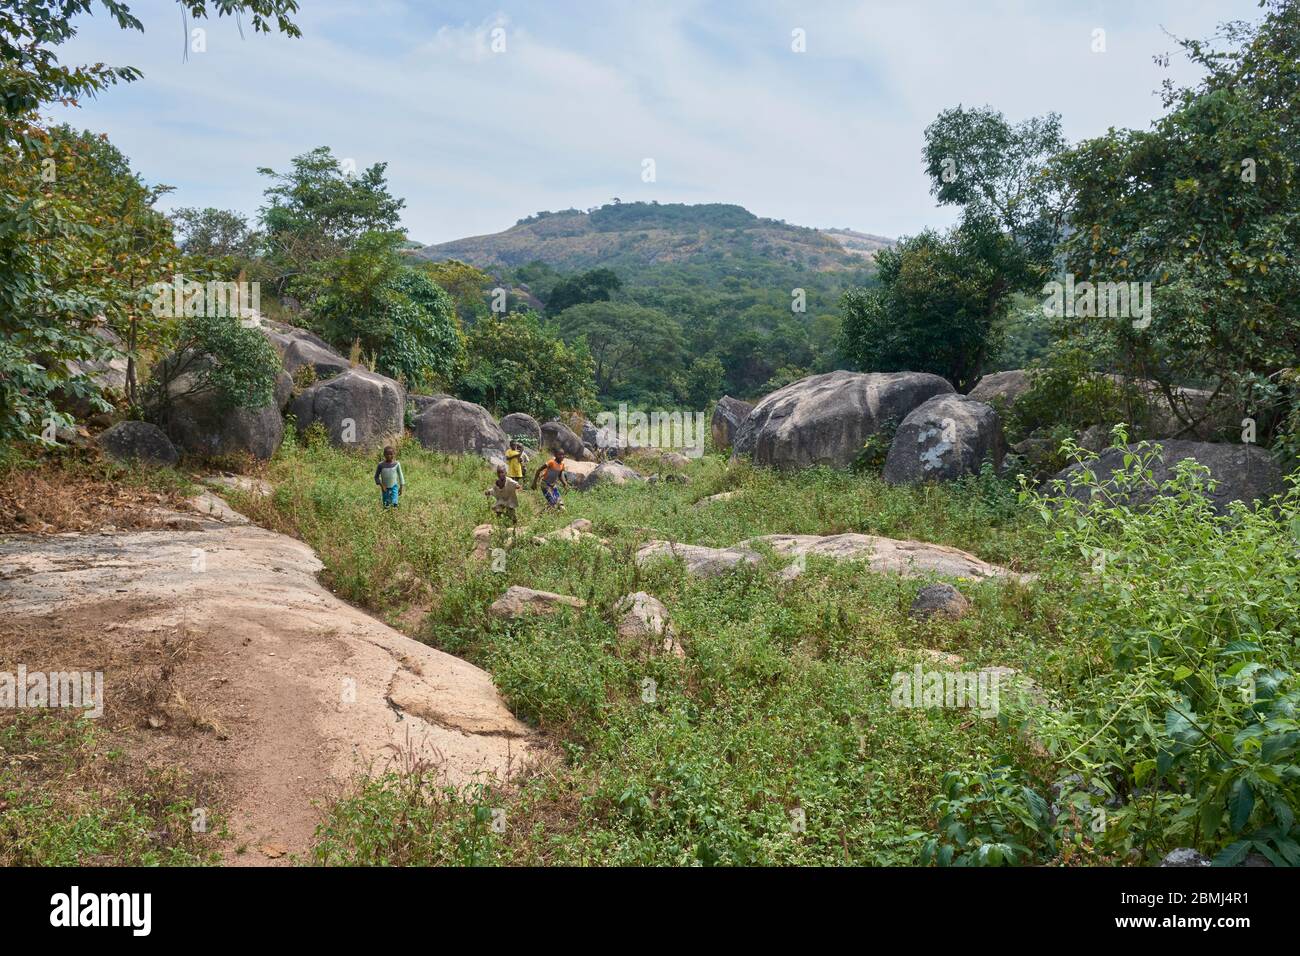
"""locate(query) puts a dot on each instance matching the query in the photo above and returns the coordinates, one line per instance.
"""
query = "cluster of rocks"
(939, 435)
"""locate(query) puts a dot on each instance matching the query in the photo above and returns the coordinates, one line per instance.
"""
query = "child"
(555, 477)
(515, 463)
(505, 491)
(389, 477)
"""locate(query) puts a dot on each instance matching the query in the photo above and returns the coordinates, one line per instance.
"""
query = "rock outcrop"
(518, 601)
(1002, 388)
(944, 438)
(556, 436)
(644, 621)
(519, 425)
(728, 415)
(358, 408)
(609, 473)
(826, 419)
(460, 428)
(1240, 473)
(138, 442)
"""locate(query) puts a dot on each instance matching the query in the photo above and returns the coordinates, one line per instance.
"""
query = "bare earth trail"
(276, 689)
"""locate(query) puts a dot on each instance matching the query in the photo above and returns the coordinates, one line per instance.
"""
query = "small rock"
(518, 601)
(645, 619)
(1185, 856)
(941, 599)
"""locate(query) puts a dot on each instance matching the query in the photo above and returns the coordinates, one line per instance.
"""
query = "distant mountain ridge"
(637, 236)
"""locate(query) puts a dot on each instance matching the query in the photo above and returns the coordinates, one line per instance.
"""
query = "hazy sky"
(584, 92)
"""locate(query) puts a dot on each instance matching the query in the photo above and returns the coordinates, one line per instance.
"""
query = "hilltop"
(634, 237)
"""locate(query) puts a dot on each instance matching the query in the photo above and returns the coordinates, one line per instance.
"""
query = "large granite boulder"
(358, 408)
(944, 438)
(420, 403)
(460, 428)
(1240, 472)
(299, 348)
(196, 420)
(138, 442)
(826, 419)
(728, 415)
(1004, 388)
(519, 425)
(556, 436)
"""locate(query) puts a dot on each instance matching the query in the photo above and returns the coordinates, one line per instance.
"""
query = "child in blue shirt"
(389, 478)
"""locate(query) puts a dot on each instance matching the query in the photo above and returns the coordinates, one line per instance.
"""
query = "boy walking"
(515, 463)
(552, 480)
(505, 495)
(389, 478)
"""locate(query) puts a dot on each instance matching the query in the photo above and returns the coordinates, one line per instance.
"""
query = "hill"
(632, 238)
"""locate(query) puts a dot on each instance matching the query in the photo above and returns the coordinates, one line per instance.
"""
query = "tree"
(65, 266)
(597, 285)
(213, 233)
(635, 350)
(937, 307)
(319, 210)
(466, 285)
(1205, 206)
(998, 172)
(397, 315)
(513, 364)
(219, 355)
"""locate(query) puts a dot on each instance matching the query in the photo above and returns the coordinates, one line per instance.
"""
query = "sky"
(487, 113)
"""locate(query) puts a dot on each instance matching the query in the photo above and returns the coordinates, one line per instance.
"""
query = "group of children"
(504, 491)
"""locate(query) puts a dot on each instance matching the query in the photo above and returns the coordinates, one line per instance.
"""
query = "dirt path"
(264, 679)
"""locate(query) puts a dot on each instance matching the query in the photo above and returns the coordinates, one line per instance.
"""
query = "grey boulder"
(556, 436)
(460, 428)
(1239, 472)
(728, 415)
(356, 407)
(826, 419)
(138, 442)
(944, 438)
(519, 425)
(1004, 388)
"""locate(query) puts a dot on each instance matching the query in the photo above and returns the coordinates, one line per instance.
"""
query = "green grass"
(781, 704)
(781, 712)
(67, 798)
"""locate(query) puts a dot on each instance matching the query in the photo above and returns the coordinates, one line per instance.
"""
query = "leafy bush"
(1189, 724)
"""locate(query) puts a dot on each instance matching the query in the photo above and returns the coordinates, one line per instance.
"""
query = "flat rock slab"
(310, 690)
(882, 554)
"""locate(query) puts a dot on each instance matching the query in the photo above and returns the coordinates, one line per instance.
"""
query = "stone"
(728, 415)
(518, 601)
(556, 436)
(1001, 388)
(826, 419)
(1241, 472)
(140, 442)
(299, 348)
(460, 428)
(519, 425)
(644, 620)
(700, 561)
(908, 558)
(374, 404)
(1185, 857)
(942, 439)
(609, 473)
(942, 600)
